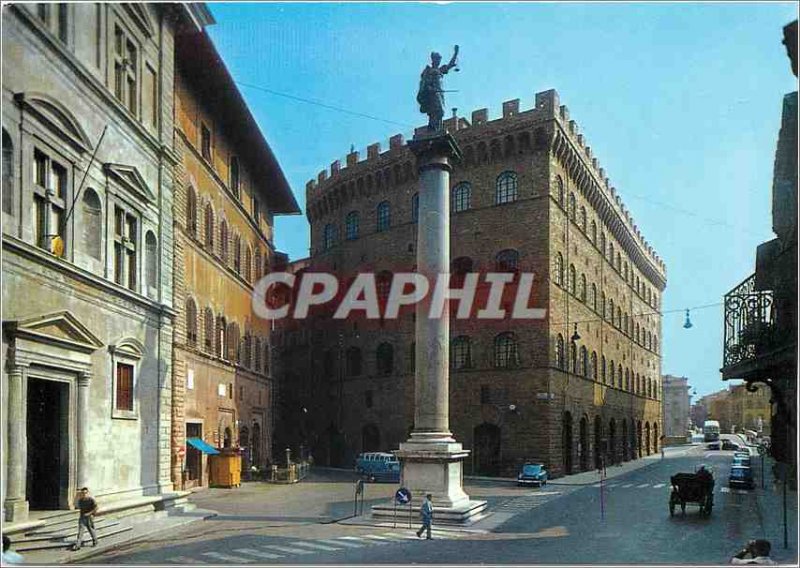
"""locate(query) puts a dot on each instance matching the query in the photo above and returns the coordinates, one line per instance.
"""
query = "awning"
(202, 446)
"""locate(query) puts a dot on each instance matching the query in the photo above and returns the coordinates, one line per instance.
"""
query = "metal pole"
(785, 526)
(409, 513)
(762, 469)
(602, 503)
(395, 514)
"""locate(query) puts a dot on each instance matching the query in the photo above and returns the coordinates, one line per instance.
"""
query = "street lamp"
(575, 335)
(688, 323)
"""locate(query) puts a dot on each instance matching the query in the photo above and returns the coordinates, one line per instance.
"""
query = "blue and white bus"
(710, 431)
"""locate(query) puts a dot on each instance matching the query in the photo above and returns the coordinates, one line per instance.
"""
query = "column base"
(465, 514)
(16, 510)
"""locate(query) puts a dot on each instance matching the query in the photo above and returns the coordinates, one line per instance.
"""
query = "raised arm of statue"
(453, 61)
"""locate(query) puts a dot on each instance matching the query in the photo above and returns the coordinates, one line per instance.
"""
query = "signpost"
(403, 496)
(359, 491)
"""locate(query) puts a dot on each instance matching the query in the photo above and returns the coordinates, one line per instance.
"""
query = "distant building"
(676, 406)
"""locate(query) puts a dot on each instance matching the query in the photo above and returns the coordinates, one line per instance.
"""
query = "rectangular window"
(63, 21)
(190, 379)
(205, 142)
(50, 187)
(124, 399)
(221, 389)
(126, 70)
(150, 89)
(230, 390)
(125, 248)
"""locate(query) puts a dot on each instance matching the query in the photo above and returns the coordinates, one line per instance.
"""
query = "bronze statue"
(431, 95)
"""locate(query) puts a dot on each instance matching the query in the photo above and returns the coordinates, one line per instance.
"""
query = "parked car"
(532, 474)
(741, 476)
(728, 445)
(378, 466)
(713, 446)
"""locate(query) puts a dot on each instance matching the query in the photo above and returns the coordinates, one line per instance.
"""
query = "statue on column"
(431, 95)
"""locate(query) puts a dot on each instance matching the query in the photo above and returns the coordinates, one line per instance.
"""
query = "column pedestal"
(431, 459)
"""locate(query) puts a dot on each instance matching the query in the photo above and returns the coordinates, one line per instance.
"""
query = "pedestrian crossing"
(260, 553)
(718, 488)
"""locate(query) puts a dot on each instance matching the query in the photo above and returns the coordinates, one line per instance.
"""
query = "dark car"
(532, 474)
(741, 476)
(728, 445)
(713, 446)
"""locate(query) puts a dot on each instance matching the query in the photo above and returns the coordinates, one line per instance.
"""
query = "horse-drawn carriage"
(696, 488)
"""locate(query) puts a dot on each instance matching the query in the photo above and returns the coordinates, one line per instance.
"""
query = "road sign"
(403, 496)
(359, 487)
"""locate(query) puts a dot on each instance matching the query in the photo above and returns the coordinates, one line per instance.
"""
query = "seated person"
(758, 550)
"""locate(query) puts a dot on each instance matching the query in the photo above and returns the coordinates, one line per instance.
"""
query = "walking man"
(88, 508)
(426, 511)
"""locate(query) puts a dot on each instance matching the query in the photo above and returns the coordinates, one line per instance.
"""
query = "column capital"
(84, 378)
(435, 151)
(16, 368)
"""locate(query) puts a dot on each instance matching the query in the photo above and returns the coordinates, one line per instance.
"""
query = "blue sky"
(680, 103)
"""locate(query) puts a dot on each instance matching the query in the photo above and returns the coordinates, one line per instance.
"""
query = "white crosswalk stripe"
(361, 539)
(286, 549)
(659, 485)
(313, 545)
(401, 536)
(258, 553)
(381, 539)
(228, 557)
(627, 485)
(186, 560)
(643, 485)
(344, 543)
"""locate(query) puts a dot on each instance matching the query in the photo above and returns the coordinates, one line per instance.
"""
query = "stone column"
(82, 453)
(16, 505)
(431, 459)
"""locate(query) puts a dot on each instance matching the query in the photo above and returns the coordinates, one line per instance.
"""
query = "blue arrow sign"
(403, 496)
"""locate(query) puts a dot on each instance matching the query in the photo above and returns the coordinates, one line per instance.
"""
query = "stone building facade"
(677, 402)
(529, 196)
(228, 188)
(88, 170)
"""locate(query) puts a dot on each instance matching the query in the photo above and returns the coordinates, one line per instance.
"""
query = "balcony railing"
(749, 323)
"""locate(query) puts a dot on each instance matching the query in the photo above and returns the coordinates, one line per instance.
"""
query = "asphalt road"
(552, 525)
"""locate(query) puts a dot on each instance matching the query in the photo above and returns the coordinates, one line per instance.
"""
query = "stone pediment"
(130, 178)
(56, 116)
(58, 328)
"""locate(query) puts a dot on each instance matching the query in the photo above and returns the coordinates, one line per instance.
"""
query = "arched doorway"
(244, 443)
(584, 441)
(566, 446)
(486, 448)
(255, 445)
(598, 437)
(639, 437)
(656, 439)
(612, 442)
(624, 440)
(370, 438)
(647, 438)
(227, 440)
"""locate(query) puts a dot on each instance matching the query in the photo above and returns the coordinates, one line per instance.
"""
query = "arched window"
(461, 198)
(460, 353)
(603, 243)
(248, 264)
(583, 218)
(593, 297)
(151, 264)
(328, 236)
(232, 351)
(384, 359)
(208, 330)
(619, 317)
(593, 232)
(611, 253)
(8, 174)
(602, 310)
(191, 211)
(257, 263)
(235, 175)
(222, 332)
(223, 241)
(209, 228)
(560, 191)
(92, 223)
(603, 369)
(383, 284)
(505, 188)
(353, 362)
(572, 206)
(584, 362)
(593, 374)
(505, 351)
(582, 290)
(191, 323)
(573, 358)
(610, 316)
(636, 335)
(351, 226)
(237, 254)
(612, 372)
(415, 208)
(560, 363)
(507, 261)
(383, 216)
(655, 343)
(572, 284)
(559, 270)
(625, 323)
(627, 379)
(619, 262)
(625, 271)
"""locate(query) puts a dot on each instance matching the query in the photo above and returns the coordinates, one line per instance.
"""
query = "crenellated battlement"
(547, 107)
